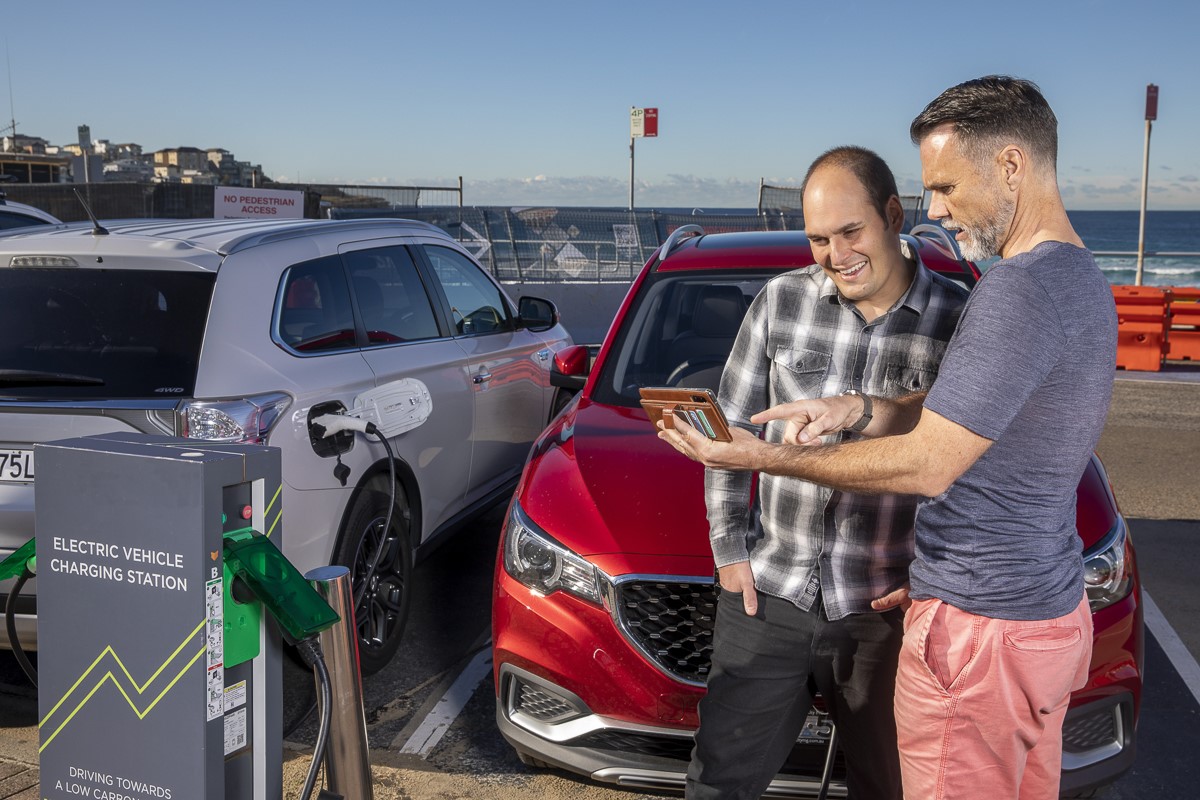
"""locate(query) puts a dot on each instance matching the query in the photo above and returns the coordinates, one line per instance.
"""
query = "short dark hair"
(986, 110)
(872, 172)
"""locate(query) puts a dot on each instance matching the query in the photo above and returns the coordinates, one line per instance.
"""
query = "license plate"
(16, 466)
(816, 729)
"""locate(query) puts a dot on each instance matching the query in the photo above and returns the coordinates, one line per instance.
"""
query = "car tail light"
(545, 566)
(248, 420)
(1107, 572)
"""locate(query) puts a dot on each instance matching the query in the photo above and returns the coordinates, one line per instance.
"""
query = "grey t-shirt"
(1031, 367)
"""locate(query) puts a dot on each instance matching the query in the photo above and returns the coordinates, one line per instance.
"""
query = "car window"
(476, 305)
(391, 297)
(678, 333)
(9, 220)
(111, 334)
(315, 313)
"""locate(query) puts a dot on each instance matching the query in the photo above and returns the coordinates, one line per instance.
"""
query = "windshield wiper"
(24, 377)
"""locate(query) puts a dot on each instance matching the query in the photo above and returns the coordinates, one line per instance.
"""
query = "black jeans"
(764, 671)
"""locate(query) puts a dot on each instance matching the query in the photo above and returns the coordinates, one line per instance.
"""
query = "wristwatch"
(865, 419)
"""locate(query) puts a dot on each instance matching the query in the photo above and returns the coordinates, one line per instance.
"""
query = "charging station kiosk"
(155, 681)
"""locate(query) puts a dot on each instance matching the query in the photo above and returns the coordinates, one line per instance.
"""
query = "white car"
(18, 215)
(240, 330)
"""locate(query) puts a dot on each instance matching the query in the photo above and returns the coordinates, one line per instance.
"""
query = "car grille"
(672, 623)
(542, 705)
(805, 759)
(1090, 731)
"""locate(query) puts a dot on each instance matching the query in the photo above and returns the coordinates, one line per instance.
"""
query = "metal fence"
(379, 196)
(569, 245)
(537, 244)
(774, 199)
(119, 200)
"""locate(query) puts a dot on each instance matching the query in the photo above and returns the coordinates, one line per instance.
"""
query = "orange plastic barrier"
(1183, 338)
(1141, 327)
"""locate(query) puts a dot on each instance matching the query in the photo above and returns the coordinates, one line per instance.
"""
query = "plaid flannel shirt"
(801, 339)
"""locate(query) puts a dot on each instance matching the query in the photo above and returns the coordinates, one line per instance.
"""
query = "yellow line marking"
(140, 689)
(278, 516)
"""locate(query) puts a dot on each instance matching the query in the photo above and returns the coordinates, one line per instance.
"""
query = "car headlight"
(1107, 573)
(545, 566)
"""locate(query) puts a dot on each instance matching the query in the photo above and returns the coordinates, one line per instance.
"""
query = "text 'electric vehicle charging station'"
(158, 566)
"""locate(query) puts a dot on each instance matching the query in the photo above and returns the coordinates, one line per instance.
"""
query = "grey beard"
(982, 242)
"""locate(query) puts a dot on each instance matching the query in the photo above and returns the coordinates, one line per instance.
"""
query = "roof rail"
(674, 239)
(303, 226)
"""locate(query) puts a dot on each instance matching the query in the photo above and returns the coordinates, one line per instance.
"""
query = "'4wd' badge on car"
(169, 390)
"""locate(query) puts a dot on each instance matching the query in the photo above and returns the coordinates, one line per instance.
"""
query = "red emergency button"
(247, 512)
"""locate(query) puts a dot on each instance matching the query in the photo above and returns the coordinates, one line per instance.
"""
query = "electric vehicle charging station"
(159, 674)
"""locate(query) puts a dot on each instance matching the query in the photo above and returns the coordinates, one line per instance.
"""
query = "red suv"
(604, 594)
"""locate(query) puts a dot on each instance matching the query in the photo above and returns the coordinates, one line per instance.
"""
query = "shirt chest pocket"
(904, 379)
(798, 373)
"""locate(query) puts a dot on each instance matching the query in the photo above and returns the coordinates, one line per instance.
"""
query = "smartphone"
(695, 407)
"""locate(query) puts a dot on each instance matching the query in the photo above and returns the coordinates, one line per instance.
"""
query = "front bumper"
(555, 726)
(1099, 743)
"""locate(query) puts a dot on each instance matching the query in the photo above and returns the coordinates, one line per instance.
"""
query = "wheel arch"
(377, 475)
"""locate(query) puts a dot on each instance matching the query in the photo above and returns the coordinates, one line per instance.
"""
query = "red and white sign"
(643, 122)
(240, 202)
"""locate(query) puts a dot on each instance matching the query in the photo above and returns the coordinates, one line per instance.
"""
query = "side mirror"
(571, 367)
(536, 314)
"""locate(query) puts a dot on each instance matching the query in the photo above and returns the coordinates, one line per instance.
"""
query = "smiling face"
(857, 247)
(965, 196)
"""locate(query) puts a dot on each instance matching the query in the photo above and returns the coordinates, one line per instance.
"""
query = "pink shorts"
(980, 701)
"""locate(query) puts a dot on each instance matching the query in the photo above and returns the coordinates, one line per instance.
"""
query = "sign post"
(1151, 115)
(642, 122)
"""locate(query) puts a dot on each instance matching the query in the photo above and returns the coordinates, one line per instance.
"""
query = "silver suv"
(18, 215)
(248, 331)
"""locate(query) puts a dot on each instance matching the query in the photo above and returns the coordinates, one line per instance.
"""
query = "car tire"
(561, 398)
(382, 613)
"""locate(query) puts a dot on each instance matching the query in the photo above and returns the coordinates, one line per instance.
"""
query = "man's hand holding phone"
(695, 408)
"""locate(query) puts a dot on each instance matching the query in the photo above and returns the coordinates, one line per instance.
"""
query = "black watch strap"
(865, 419)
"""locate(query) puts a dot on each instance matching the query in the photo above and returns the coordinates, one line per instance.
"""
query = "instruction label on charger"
(215, 651)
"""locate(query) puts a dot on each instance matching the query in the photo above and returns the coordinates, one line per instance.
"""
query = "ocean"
(1166, 231)
(1116, 231)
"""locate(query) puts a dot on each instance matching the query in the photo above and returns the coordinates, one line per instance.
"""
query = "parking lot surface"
(430, 713)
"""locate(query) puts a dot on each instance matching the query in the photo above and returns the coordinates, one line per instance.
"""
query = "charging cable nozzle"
(327, 425)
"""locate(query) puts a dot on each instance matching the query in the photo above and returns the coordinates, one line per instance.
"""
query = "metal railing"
(776, 199)
(568, 245)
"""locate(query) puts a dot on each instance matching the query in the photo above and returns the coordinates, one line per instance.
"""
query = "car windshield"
(72, 334)
(678, 333)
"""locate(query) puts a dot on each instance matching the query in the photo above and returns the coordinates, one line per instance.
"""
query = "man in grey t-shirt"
(999, 630)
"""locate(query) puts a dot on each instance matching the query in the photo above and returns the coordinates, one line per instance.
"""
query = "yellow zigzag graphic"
(110, 675)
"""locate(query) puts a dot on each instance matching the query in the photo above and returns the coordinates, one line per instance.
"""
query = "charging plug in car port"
(328, 446)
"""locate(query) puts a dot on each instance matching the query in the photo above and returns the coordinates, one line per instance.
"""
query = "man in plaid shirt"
(799, 568)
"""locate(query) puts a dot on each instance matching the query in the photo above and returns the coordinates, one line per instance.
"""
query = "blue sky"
(529, 101)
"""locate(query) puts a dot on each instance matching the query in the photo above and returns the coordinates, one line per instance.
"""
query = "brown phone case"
(698, 407)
